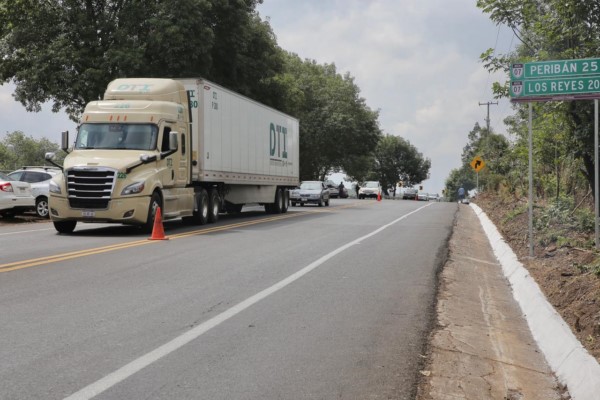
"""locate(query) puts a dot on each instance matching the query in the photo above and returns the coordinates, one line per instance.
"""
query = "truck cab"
(130, 156)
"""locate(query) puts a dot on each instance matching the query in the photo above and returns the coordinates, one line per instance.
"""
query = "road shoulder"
(481, 347)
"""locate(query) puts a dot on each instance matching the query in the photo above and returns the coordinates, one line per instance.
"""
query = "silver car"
(39, 179)
(314, 192)
(15, 196)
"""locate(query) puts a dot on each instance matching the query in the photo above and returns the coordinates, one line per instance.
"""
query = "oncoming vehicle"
(15, 196)
(39, 179)
(423, 196)
(310, 192)
(369, 189)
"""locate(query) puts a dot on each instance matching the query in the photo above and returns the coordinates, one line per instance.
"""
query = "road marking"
(16, 265)
(147, 359)
(28, 231)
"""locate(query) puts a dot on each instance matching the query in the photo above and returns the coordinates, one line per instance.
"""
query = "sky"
(416, 61)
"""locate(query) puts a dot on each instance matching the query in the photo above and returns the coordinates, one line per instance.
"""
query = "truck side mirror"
(64, 144)
(173, 141)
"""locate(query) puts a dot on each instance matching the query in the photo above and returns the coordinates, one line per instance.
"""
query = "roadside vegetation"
(566, 263)
(228, 43)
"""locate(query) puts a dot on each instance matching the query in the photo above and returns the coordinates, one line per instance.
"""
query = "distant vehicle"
(343, 194)
(423, 196)
(15, 197)
(433, 197)
(369, 189)
(39, 179)
(310, 192)
(409, 193)
(333, 189)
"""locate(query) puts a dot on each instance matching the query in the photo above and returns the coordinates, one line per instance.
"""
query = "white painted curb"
(569, 360)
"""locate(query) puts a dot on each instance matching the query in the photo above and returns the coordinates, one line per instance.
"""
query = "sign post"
(558, 80)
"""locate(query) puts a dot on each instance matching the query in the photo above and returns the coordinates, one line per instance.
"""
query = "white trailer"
(250, 149)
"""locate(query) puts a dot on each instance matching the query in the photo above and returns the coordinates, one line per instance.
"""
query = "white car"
(39, 179)
(370, 189)
(15, 196)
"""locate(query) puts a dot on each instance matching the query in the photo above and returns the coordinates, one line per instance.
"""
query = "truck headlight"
(134, 188)
(53, 187)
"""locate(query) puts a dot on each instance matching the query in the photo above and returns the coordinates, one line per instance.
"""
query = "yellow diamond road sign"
(477, 164)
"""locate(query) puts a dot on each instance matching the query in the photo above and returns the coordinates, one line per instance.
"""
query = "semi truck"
(187, 146)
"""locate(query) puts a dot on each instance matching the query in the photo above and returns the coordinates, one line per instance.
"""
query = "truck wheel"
(200, 216)
(214, 203)
(154, 205)
(278, 204)
(65, 226)
(286, 201)
(41, 207)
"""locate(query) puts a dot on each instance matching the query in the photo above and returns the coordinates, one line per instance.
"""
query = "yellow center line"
(12, 266)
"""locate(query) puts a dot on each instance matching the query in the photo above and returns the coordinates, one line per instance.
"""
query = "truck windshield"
(117, 136)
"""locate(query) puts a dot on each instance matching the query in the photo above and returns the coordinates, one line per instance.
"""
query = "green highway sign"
(558, 68)
(555, 87)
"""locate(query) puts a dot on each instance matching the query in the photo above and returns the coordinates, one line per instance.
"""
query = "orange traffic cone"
(378, 196)
(158, 232)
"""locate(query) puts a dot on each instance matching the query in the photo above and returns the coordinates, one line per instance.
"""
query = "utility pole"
(487, 120)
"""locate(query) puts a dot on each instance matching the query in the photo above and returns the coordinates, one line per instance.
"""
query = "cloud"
(415, 61)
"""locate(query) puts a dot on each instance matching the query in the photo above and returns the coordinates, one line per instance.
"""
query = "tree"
(96, 41)
(338, 130)
(552, 29)
(17, 150)
(398, 160)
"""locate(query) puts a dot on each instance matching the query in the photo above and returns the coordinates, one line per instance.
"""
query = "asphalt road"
(318, 303)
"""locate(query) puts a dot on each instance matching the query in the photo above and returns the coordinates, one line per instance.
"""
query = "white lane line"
(147, 359)
(29, 231)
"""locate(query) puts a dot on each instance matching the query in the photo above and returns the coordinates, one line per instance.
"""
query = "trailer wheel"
(277, 207)
(214, 204)
(286, 200)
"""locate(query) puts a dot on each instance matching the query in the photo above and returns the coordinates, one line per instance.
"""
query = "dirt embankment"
(567, 274)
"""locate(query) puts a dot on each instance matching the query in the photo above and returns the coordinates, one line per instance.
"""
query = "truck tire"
(286, 200)
(214, 205)
(155, 203)
(65, 226)
(278, 204)
(200, 216)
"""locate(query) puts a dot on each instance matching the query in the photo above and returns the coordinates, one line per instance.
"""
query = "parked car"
(333, 189)
(310, 192)
(423, 196)
(369, 189)
(15, 196)
(39, 179)
(409, 193)
(433, 197)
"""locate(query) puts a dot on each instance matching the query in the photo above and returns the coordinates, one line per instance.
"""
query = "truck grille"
(90, 188)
